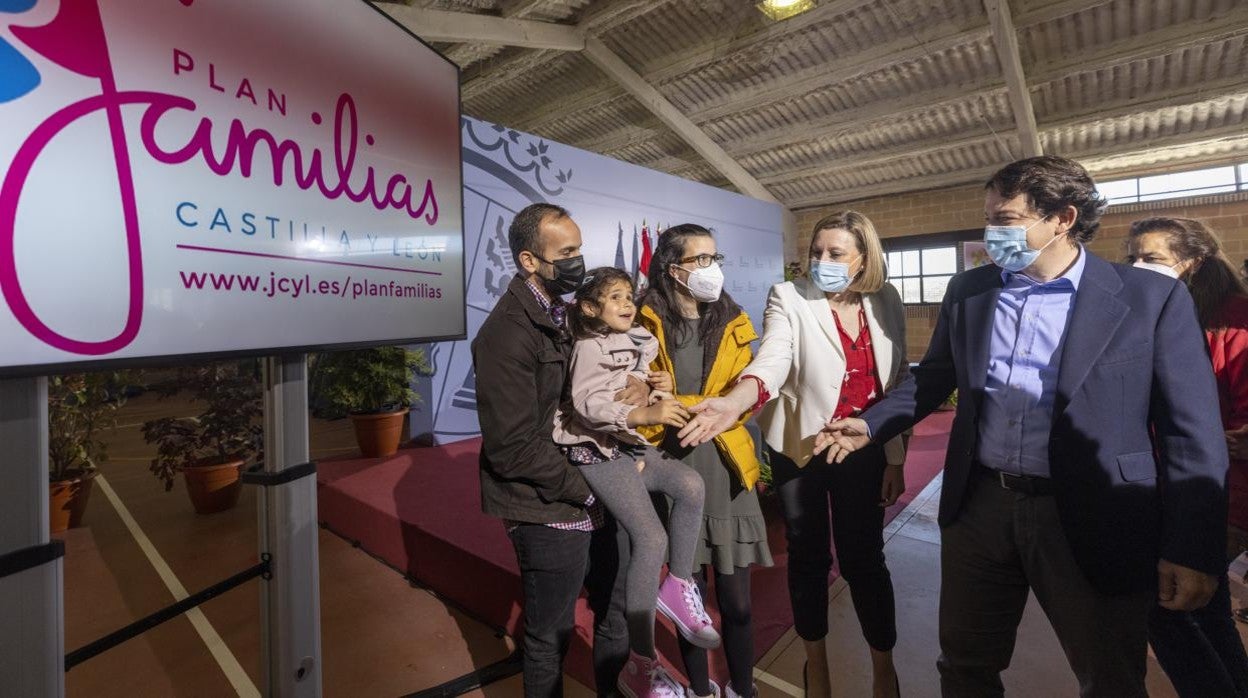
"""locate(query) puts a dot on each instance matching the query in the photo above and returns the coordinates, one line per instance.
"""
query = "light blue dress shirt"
(1024, 358)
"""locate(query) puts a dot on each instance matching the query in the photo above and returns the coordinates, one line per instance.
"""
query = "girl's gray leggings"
(626, 494)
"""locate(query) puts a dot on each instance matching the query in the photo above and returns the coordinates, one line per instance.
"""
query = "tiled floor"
(382, 637)
(1038, 669)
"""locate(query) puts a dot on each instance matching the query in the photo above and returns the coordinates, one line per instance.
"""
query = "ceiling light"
(784, 9)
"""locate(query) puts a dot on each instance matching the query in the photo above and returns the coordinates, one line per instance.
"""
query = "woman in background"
(1200, 650)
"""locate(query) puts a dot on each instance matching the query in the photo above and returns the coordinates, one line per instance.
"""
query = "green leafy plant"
(953, 399)
(793, 270)
(81, 406)
(764, 475)
(366, 381)
(228, 428)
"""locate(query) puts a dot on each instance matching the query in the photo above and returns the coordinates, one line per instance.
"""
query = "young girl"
(600, 436)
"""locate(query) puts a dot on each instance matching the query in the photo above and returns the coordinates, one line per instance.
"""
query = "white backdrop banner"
(217, 176)
(617, 206)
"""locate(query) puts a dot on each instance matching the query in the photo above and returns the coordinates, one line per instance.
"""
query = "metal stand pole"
(32, 642)
(290, 601)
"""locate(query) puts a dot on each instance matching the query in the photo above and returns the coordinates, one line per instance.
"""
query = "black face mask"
(569, 274)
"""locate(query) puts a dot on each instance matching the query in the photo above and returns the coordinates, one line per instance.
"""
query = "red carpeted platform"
(420, 512)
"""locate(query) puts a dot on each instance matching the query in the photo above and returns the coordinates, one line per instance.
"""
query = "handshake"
(841, 437)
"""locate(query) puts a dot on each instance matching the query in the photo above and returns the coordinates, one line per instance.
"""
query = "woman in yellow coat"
(704, 342)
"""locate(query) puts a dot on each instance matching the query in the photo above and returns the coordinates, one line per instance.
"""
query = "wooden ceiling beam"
(440, 25)
(1005, 39)
(465, 55)
(1049, 11)
(689, 60)
(643, 92)
(600, 19)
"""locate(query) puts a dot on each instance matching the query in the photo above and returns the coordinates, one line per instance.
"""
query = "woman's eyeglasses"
(704, 260)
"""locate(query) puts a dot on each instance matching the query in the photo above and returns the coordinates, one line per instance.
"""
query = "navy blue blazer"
(1136, 451)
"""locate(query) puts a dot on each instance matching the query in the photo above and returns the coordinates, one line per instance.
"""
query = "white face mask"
(705, 283)
(1159, 268)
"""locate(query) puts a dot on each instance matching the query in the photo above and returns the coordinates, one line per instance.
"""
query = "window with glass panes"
(921, 275)
(1210, 180)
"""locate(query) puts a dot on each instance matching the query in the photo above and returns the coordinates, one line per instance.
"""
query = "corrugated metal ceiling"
(862, 97)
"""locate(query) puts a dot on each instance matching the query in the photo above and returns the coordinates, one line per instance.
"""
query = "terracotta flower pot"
(67, 502)
(378, 435)
(213, 487)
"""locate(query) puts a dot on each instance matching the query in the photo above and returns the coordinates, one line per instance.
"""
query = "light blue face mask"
(831, 277)
(1007, 246)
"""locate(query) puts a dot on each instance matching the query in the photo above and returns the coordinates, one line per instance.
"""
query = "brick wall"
(962, 208)
(937, 211)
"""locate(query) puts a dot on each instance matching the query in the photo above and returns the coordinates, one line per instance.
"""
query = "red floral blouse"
(860, 387)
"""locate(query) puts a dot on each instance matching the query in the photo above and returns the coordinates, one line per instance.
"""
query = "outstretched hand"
(711, 417)
(841, 437)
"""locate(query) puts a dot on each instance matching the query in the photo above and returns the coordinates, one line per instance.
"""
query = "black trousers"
(852, 490)
(554, 565)
(1201, 650)
(1002, 545)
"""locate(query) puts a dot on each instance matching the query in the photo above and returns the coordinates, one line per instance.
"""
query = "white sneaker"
(714, 692)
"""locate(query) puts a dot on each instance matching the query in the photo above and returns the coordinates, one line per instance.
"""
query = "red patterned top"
(860, 387)
(1228, 348)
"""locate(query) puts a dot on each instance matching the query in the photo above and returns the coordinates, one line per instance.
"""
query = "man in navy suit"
(1086, 461)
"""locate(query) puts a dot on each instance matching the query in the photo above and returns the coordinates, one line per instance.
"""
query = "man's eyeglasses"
(704, 260)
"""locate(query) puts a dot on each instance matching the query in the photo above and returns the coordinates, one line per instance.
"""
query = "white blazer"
(802, 363)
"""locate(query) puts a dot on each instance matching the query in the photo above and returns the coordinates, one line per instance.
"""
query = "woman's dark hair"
(596, 282)
(1211, 278)
(661, 294)
(1051, 184)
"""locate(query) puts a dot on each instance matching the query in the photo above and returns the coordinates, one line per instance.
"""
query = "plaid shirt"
(559, 314)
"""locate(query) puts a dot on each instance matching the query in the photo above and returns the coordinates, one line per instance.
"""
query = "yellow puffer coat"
(735, 445)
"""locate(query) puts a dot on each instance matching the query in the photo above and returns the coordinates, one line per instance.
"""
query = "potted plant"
(80, 407)
(210, 448)
(374, 387)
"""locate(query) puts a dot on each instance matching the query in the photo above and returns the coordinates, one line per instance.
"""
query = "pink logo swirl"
(75, 41)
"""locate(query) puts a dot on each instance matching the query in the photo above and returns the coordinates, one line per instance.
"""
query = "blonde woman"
(833, 343)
